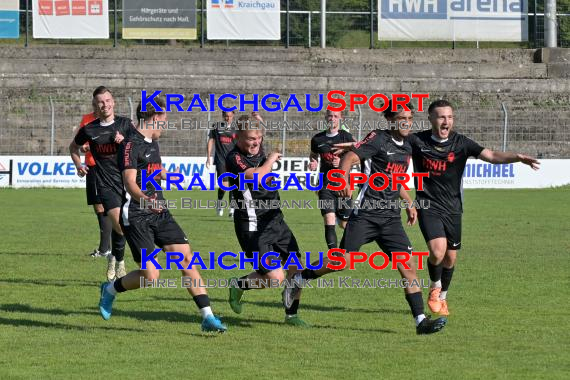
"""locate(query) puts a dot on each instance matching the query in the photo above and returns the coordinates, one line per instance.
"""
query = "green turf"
(509, 302)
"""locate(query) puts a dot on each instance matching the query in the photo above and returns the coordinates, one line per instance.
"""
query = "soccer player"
(322, 145)
(386, 152)
(443, 153)
(259, 230)
(222, 137)
(146, 224)
(104, 136)
(105, 225)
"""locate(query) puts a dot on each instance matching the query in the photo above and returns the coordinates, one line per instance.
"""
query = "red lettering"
(420, 98)
(396, 102)
(353, 260)
(420, 260)
(373, 98)
(333, 179)
(340, 259)
(340, 101)
(397, 260)
(384, 178)
(420, 177)
(357, 178)
(403, 182)
(384, 264)
(353, 102)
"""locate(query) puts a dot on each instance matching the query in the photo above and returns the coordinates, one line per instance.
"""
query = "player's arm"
(209, 150)
(313, 161)
(163, 172)
(494, 157)
(346, 163)
(263, 169)
(130, 181)
(74, 148)
(410, 210)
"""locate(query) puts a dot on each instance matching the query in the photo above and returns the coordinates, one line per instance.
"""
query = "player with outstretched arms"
(443, 154)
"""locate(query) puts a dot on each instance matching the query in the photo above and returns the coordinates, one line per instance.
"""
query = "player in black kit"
(147, 224)
(104, 136)
(322, 146)
(222, 138)
(387, 152)
(443, 153)
(259, 230)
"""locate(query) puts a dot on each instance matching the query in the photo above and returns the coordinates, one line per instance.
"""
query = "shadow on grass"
(62, 326)
(307, 306)
(58, 283)
(33, 254)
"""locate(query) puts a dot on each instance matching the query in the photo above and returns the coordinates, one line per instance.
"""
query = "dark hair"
(389, 114)
(438, 104)
(101, 90)
(224, 113)
(150, 111)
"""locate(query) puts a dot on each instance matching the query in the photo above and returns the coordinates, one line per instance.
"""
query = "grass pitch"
(508, 302)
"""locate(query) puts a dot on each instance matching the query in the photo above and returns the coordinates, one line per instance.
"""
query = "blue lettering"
(221, 260)
(197, 260)
(221, 102)
(270, 264)
(196, 99)
(292, 260)
(150, 179)
(174, 99)
(196, 181)
(316, 266)
(309, 185)
(145, 101)
(174, 257)
(70, 169)
(292, 102)
(35, 168)
(22, 166)
(272, 185)
(221, 181)
(254, 102)
(244, 259)
(146, 258)
(276, 104)
(308, 103)
(243, 181)
(293, 178)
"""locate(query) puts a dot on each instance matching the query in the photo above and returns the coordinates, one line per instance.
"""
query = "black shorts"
(436, 225)
(151, 231)
(221, 168)
(109, 198)
(387, 232)
(342, 207)
(91, 187)
(274, 236)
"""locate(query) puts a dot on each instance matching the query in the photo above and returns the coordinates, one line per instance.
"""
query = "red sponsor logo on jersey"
(152, 166)
(393, 167)
(451, 157)
(106, 148)
(226, 139)
(435, 165)
(328, 157)
(368, 137)
(240, 163)
(127, 160)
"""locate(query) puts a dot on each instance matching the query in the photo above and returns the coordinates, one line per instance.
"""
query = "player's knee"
(151, 275)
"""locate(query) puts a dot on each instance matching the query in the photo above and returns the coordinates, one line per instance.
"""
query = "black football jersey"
(445, 162)
(249, 218)
(224, 141)
(140, 153)
(101, 139)
(322, 144)
(380, 153)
